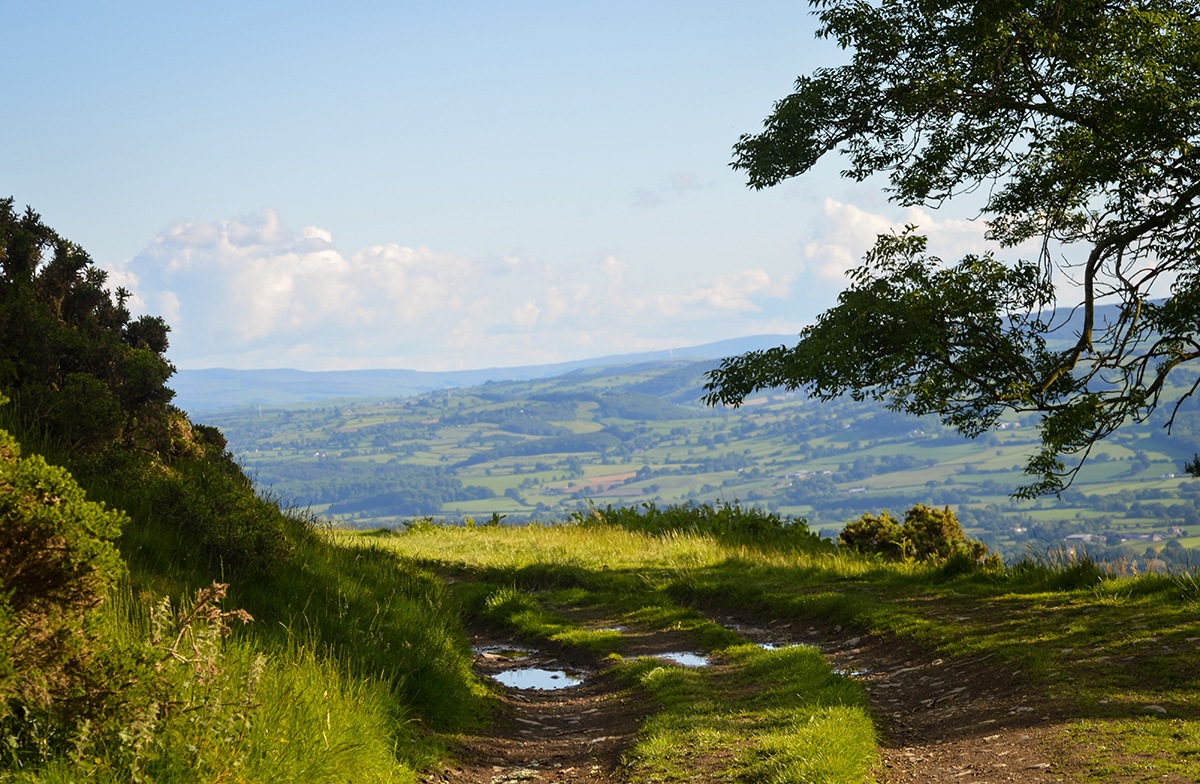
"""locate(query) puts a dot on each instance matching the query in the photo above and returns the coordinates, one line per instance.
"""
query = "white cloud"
(314, 233)
(526, 316)
(252, 292)
(844, 232)
(738, 292)
(840, 238)
(614, 268)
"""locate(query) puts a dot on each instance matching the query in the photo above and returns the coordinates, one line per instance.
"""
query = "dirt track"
(956, 721)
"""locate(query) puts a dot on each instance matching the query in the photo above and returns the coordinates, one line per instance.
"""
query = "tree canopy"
(1073, 126)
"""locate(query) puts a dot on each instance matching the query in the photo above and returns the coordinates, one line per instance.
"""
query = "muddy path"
(964, 720)
(569, 734)
(561, 717)
(942, 720)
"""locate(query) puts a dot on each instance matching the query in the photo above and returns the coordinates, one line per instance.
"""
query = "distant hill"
(219, 389)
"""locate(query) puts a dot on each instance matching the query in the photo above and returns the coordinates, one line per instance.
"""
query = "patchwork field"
(626, 435)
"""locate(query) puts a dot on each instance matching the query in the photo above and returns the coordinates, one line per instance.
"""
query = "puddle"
(537, 678)
(775, 646)
(686, 659)
(503, 651)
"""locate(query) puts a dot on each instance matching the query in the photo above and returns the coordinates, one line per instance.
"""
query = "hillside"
(637, 433)
(159, 620)
(202, 392)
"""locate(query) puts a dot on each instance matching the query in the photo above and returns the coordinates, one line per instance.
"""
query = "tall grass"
(225, 710)
(380, 617)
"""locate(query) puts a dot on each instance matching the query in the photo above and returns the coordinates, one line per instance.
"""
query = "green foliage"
(72, 359)
(936, 534)
(874, 535)
(57, 563)
(720, 520)
(927, 534)
(908, 331)
(1077, 127)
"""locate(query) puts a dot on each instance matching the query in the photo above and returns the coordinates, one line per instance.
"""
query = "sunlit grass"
(243, 710)
(766, 716)
(1110, 646)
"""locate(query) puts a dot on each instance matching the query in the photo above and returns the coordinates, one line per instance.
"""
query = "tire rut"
(545, 734)
(969, 720)
(958, 720)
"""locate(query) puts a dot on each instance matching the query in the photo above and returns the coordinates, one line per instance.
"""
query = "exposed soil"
(577, 733)
(964, 720)
(943, 720)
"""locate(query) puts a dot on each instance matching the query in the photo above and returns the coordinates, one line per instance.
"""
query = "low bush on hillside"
(57, 563)
(927, 534)
(720, 520)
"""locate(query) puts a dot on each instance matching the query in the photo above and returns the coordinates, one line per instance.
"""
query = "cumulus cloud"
(253, 292)
(614, 268)
(840, 237)
(737, 292)
(844, 232)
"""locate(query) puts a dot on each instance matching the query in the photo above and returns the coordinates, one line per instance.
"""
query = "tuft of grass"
(516, 610)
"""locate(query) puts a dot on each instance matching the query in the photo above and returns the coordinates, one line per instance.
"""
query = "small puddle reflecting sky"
(775, 646)
(537, 678)
(686, 659)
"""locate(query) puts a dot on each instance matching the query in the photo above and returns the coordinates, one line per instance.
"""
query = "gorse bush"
(73, 357)
(927, 534)
(874, 535)
(57, 563)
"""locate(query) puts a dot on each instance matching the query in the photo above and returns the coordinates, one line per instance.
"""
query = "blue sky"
(431, 185)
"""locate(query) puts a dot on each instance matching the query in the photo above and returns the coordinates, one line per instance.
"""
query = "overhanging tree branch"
(1082, 120)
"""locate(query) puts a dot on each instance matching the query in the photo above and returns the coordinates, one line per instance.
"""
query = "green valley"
(632, 434)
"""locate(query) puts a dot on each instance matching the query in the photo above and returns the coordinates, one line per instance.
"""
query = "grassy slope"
(1105, 648)
(354, 664)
